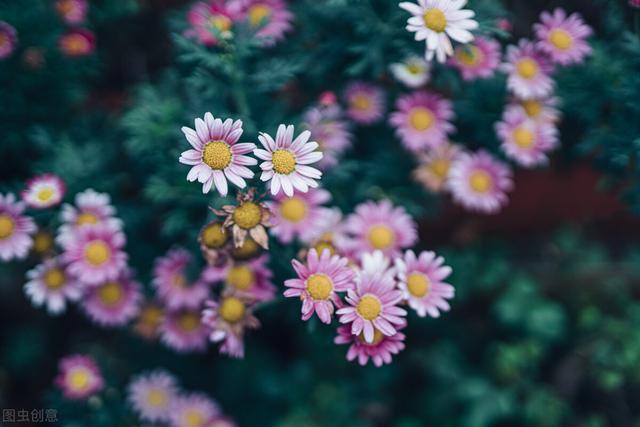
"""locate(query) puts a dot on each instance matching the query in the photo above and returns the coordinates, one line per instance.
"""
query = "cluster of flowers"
(154, 396)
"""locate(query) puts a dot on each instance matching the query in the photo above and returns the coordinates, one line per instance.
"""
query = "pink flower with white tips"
(171, 282)
(115, 302)
(539, 110)
(208, 20)
(528, 71)
(43, 191)
(183, 331)
(50, 285)
(79, 377)
(91, 208)
(15, 229)
(563, 37)
(478, 60)
(330, 131)
(298, 216)
(380, 351)
(227, 321)
(270, 19)
(365, 102)
(152, 394)
(192, 410)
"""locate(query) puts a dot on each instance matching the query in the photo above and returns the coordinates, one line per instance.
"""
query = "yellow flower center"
(214, 236)
(76, 44)
(321, 246)
(361, 102)
(45, 194)
(418, 284)
(560, 39)
(111, 293)
(480, 181)
(293, 209)
(381, 236)
(220, 22)
(216, 155)
(240, 277)
(469, 55)
(4, 40)
(179, 281)
(531, 107)
(377, 337)
(414, 69)
(421, 118)
(319, 286)
(435, 20)
(440, 167)
(259, 14)
(193, 418)
(6, 226)
(86, 218)
(97, 252)
(369, 307)
(189, 321)
(523, 137)
(247, 215)
(248, 249)
(42, 242)
(527, 68)
(151, 315)
(54, 278)
(65, 6)
(283, 161)
(78, 379)
(232, 309)
(157, 398)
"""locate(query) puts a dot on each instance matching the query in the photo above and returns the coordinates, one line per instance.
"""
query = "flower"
(49, 284)
(422, 120)
(77, 42)
(526, 141)
(365, 102)
(378, 226)
(152, 394)
(249, 249)
(222, 422)
(528, 71)
(149, 320)
(43, 191)
(247, 219)
(43, 244)
(192, 410)
(421, 280)
(634, 3)
(72, 11)
(380, 351)
(250, 280)
(286, 161)
(213, 238)
(435, 21)
(413, 72)
(91, 208)
(15, 229)
(330, 131)
(183, 331)
(317, 283)
(434, 165)
(479, 182)
(114, 302)
(95, 254)
(171, 282)
(216, 156)
(270, 19)
(563, 37)
(298, 216)
(376, 264)
(79, 377)
(329, 231)
(209, 21)
(373, 306)
(8, 39)
(538, 110)
(227, 321)
(477, 60)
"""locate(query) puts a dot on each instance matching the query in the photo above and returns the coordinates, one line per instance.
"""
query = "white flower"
(412, 72)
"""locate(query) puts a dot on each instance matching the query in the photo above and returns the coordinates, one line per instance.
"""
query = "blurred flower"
(171, 282)
(49, 284)
(327, 99)
(113, 303)
(216, 155)
(634, 3)
(380, 350)
(210, 20)
(8, 39)
(72, 11)
(77, 42)
(413, 72)
(248, 218)
(270, 19)
(43, 244)
(152, 394)
(330, 131)
(328, 231)
(525, 141)
(247, 250)
(43, 191)
(539, 110)
(250, 280)
(504, 24)
(477, 60)
(91, 208)
(365, 102)
(149, 320)
(227, 321)
(528, 71)
(376, 264)
(434, 165)
(563, 37)
(213, 238)
(33, 57)
(15, 229)
(192, 410)
(298, 216)
(183, 331)
(79, 377)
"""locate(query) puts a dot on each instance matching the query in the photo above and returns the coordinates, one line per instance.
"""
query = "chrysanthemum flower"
(479, 182)
(209, 21)
(376, 264)
(563, 37)
(436, 21)
(91, 208)
(539, 110)
(421, 280)
(528, 71)
(43, 243)
(79, 377)
(72, 11)
(270, 19)
(77, 42)
(422, 120)
(477, 60)
(113, 303)
(380, 350)
(43, 191)
(50, 285)
(227, 320)
(299, 216)
(193, 410)
(330, 131)
(433, 166)
(413, 72)
(378, 226)
(183, 331)
(15, 229)
(286, 161)
(216, 155)
(317, 283)
(247, 219)
(8, 39)
(213, 239)
(152, 395)
(171, 282)
(365, 102)
(526, 141)
(149, 320)
(250, 280)
(372, 305)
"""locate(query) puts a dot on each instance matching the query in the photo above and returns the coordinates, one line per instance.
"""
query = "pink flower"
(77, 42)
(528, 71)
(91, 208)
(193, 410)
(380, 350)
(526, 141)
(539, 110)
(183, 331)
(152, 395)
(43, 191)
(299, 216)
(270, 19)
(434, 166)
(171, 282)
(209, 21)
(250, 280)
(79, 377)
(115, 302)
(72, 11)
(479, 59)
(50, 285)
(330, 131)
(422, 120)
(563, 37)
(8, 39)
(634, 3)
(365, 102)
(317, 283)
(227, 321)
(15, 229)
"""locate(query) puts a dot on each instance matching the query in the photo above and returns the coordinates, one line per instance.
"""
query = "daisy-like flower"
(270, 19)
(250, 280)
(526, 141)
(317, 283)
(209, 21)
(378, 226)
(95, 255)
(539, 110)
(421, 280)
(433, 167)
(479, 182)
(149, 320)
(436, 21)
(213, 238)
(152, 395)
(183, 331)
(43, 191)
(376, 264)
(43, 243)
(247, 219)
(77, 42)
(477, 60)
(365, 102)
(528, 71)
(330, 131)
(227, 321)
(15, 229)
(171, 282)
(193, 410)
(50, 285)
(72, 11)
(413, 72)
(298, 216)
(91, 208)
(563, 37)
(79, 377)
(422, 120)
(113, 303)
(286, 161)
(373, 306)
(216, 155)
(380, 350)
(8, 39)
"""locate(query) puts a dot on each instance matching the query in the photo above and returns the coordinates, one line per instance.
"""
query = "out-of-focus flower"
(528, 71)
(270, 19)
(213, 238)
(43, 191)
(247, 250)
(91, 208)
(77, 42)
(413, 72)
(434, 165)
(380, 350)
(15, 229)
(152, 395)
(43, 244)
(634, 3)
(539, 110)
(477, 60)
(183, 331)
(365, 102)
(563, 37)
(79, 377)
(330, 131)
(210, 20)
(376, 264)
(72, 11)
(113, 303)
(250, 280)
(171, 282)
(526, 141)
(50, 285)
(298, 216)
(227, 321)
(504, 24)
(8, 39)
(329, 231)
(149, 320)
(248, 218)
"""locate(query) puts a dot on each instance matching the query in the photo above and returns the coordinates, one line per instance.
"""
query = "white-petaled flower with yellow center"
(43, 191)
(15, 229)
(286, 161)
(436, 21)
(152, 395)
(413, 72)
(50, 285)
